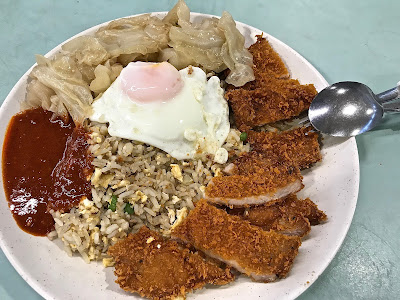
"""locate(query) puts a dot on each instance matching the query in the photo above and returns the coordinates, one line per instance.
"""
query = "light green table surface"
(344, 39)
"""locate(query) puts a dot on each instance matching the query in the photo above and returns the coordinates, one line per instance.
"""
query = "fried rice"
(159, 189)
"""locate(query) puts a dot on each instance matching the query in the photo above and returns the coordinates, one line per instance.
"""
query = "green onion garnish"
(243, 136)
(113, 203)
(128, 209)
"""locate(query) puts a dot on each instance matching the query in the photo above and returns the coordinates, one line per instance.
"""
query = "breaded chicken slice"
(272, 217)
(290, 216)
(262, 255)
(272, 96)
(255, 179)
(305, 207)
(265, 59)
(156, 268)
(275, 100)
(299, 145)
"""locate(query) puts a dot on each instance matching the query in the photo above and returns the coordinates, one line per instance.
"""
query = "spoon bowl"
(348, 108)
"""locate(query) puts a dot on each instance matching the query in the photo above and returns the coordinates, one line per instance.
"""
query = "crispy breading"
(277, 99)
(156, 268)
(290, 215)
(305, 207)
(252, 162)
(271, 96)
(262, 255)
(282, 221)
(299, 145)
(255, 179)
(265, 59)
(274, 217)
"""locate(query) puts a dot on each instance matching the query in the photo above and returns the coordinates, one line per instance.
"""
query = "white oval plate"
(333, 185)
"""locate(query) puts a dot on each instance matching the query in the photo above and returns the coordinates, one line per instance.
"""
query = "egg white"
(194, 122)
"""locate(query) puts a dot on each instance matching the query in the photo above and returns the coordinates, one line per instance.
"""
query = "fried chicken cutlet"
(271, 96)
(156, 268)
(290, 216)
(272, 217)
(266, 60)
(299, 145)
(262, 255)
(305, 207)
(255, 179)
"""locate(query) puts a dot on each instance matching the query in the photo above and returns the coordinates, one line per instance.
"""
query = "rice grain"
(142, 176)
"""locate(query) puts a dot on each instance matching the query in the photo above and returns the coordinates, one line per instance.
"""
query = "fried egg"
(180, 112)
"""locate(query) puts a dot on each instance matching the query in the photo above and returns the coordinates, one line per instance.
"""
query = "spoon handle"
(392, 107)
(389, 94)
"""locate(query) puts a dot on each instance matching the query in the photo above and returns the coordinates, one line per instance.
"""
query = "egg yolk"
(151, 82)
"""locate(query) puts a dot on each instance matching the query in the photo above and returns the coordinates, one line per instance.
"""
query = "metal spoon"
(349, 108)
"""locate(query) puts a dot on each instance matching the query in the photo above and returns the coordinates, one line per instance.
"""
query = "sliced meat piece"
(267, 63)
(262, 255)
(257, 189)
(274, 217)
(254, 179)
(291, 205)
(275, 100)
(147, 264)
(272, 96)
(299, 145)
(252, 162)
(305, 207)
(290, 215)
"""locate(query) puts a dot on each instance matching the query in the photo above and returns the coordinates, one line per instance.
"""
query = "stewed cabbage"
(87, 65)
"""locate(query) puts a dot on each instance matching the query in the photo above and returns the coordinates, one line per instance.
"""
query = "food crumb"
(139, 195)
(96, 176)
(203, 189)
(218, 172)
(175, 199)
(122, 183)
(180, 216)
(171, 215)
(149, 240)
(221, 156)
(108, 262)
(176, 172)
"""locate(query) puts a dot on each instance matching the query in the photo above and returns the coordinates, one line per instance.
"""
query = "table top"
(345, 40)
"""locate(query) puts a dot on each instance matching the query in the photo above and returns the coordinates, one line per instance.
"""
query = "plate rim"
(35, 285)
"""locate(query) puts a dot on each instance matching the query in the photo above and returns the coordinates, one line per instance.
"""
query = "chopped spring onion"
(113, 203)
(243, 136)
(129, 209)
